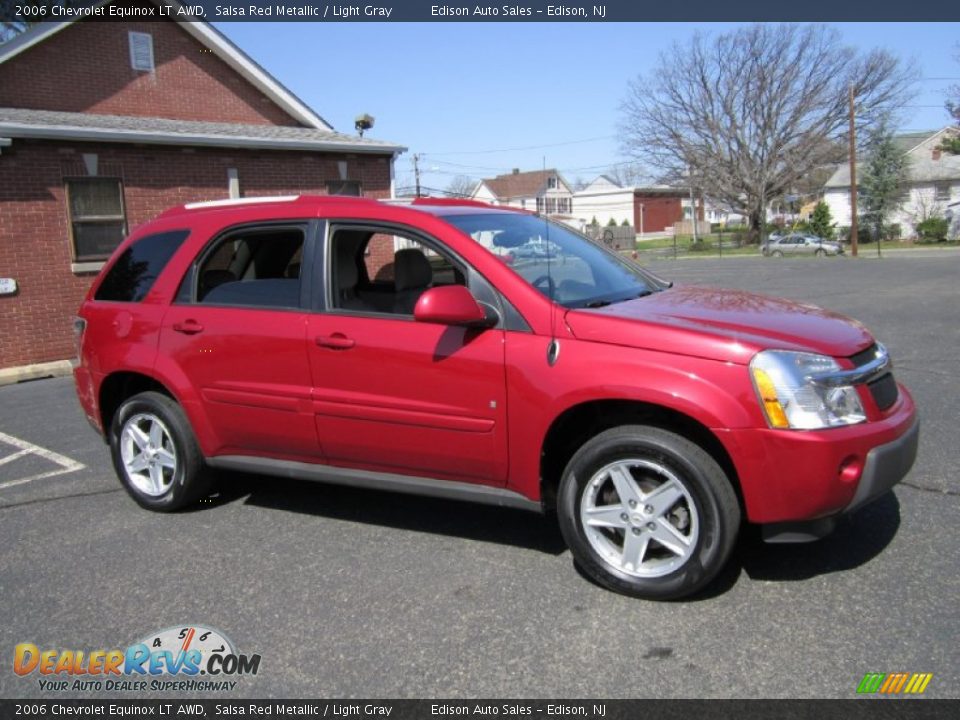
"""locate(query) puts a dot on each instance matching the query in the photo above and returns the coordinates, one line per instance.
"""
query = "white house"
(603, 200)
(933, 184)
(543, 191)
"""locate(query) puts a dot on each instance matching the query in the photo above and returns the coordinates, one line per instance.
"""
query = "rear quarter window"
(133, 274)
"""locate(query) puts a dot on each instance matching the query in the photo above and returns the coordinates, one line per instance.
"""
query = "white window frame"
(147, 42)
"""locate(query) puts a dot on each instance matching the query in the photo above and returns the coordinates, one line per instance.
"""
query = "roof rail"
(240, 201)
(451, 201)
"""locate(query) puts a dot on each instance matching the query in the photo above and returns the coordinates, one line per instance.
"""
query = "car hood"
(726, 325)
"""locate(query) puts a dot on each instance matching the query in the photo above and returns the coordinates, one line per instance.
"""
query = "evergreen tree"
(884, 173)
(821, 224)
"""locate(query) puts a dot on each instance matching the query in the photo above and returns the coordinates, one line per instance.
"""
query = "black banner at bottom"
(858, 709)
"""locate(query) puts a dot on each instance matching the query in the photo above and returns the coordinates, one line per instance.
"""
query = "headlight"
(791, 397)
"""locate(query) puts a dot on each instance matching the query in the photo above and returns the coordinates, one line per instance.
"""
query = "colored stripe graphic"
(894, 683)
(871, 682)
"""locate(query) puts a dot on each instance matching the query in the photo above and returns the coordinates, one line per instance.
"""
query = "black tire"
(777, 253)
(717, 518)
(189, 480)
(820, 252)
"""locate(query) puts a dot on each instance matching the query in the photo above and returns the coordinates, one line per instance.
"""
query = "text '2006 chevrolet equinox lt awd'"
(420, 349)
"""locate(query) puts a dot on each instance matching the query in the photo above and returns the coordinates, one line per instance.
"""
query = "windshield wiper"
(604, 303)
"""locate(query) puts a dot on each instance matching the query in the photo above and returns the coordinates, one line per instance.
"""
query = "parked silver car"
(800, 244)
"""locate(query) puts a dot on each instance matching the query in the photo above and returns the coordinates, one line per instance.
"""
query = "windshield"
(563, 265)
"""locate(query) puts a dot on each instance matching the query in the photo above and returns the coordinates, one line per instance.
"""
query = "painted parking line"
(24, 448)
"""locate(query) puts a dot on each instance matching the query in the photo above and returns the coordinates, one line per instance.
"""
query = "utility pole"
(416, 172)
(853, 179)
(693, 208)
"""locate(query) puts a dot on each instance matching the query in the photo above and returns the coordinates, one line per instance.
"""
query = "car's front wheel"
(647, 513)
(156, 455)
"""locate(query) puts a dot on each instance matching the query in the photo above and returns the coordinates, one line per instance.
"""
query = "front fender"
(717, 395)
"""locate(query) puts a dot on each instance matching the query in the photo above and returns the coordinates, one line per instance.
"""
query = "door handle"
(188, 327)
(337, 341)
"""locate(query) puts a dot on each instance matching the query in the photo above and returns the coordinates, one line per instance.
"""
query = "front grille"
(884, 391)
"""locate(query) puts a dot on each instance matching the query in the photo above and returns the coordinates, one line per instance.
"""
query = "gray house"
(933, 187)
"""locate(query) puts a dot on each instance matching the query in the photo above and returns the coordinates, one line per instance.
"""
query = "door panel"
(252, 374)
(410, 397)
(238, 333)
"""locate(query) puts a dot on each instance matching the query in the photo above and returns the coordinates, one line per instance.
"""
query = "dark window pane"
(95, 198)
(343, 187)
(257, 267)
(96, 241)
(135, 271)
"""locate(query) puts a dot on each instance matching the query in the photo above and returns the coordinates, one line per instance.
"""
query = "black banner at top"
(598, 11)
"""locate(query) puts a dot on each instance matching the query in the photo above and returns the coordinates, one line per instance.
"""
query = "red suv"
(422, 349)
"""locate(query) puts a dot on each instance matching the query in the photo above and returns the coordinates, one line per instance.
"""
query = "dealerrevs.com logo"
(183, 659)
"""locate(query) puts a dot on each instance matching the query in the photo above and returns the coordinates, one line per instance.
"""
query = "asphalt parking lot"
(364, 594)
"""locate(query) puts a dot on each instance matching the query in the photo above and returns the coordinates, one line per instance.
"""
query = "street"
(348, 593)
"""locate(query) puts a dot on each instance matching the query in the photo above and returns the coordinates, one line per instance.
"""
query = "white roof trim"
(207, 35)
(49, 132)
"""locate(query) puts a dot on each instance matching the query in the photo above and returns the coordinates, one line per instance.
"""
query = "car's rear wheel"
(647, 513)
(156, 455)
(777, 253)
(820, 252)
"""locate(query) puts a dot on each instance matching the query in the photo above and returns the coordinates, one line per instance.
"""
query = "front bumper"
(885, 466)
(789, 476)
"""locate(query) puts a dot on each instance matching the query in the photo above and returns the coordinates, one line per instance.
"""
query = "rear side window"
(138, 267)
(253, 267)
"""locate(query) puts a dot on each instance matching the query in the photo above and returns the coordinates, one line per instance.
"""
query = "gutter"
(64, 132)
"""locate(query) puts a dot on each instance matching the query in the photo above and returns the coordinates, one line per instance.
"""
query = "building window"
(551, 183)
(343, 187)
(97, 218)
(540, 205)
(942, 191)
(141, 51)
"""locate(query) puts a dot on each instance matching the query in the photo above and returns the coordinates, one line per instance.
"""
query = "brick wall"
(35, 324)
(659, 212)
(86, 68)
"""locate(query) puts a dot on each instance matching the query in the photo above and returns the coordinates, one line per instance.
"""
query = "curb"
(22, 373)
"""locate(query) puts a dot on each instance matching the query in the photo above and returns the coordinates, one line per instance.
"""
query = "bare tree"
(461, 186)
(627, 174)
(32, 12)
(745, 115)
(952, 144)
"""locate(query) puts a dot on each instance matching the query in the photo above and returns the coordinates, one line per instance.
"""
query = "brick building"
(105, 124)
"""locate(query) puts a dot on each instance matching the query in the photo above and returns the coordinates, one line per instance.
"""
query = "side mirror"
(451, 305)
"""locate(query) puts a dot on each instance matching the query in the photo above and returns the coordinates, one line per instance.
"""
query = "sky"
(479, 99)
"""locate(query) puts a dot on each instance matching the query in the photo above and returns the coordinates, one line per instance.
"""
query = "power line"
(525, 147)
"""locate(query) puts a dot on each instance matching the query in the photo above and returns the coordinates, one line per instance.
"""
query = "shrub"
(933, 229)
(625, 223)
(863, 234)
(700, 246)
(612, 223)
(893, 231)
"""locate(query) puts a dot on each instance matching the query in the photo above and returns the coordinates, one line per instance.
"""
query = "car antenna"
(553, 349)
